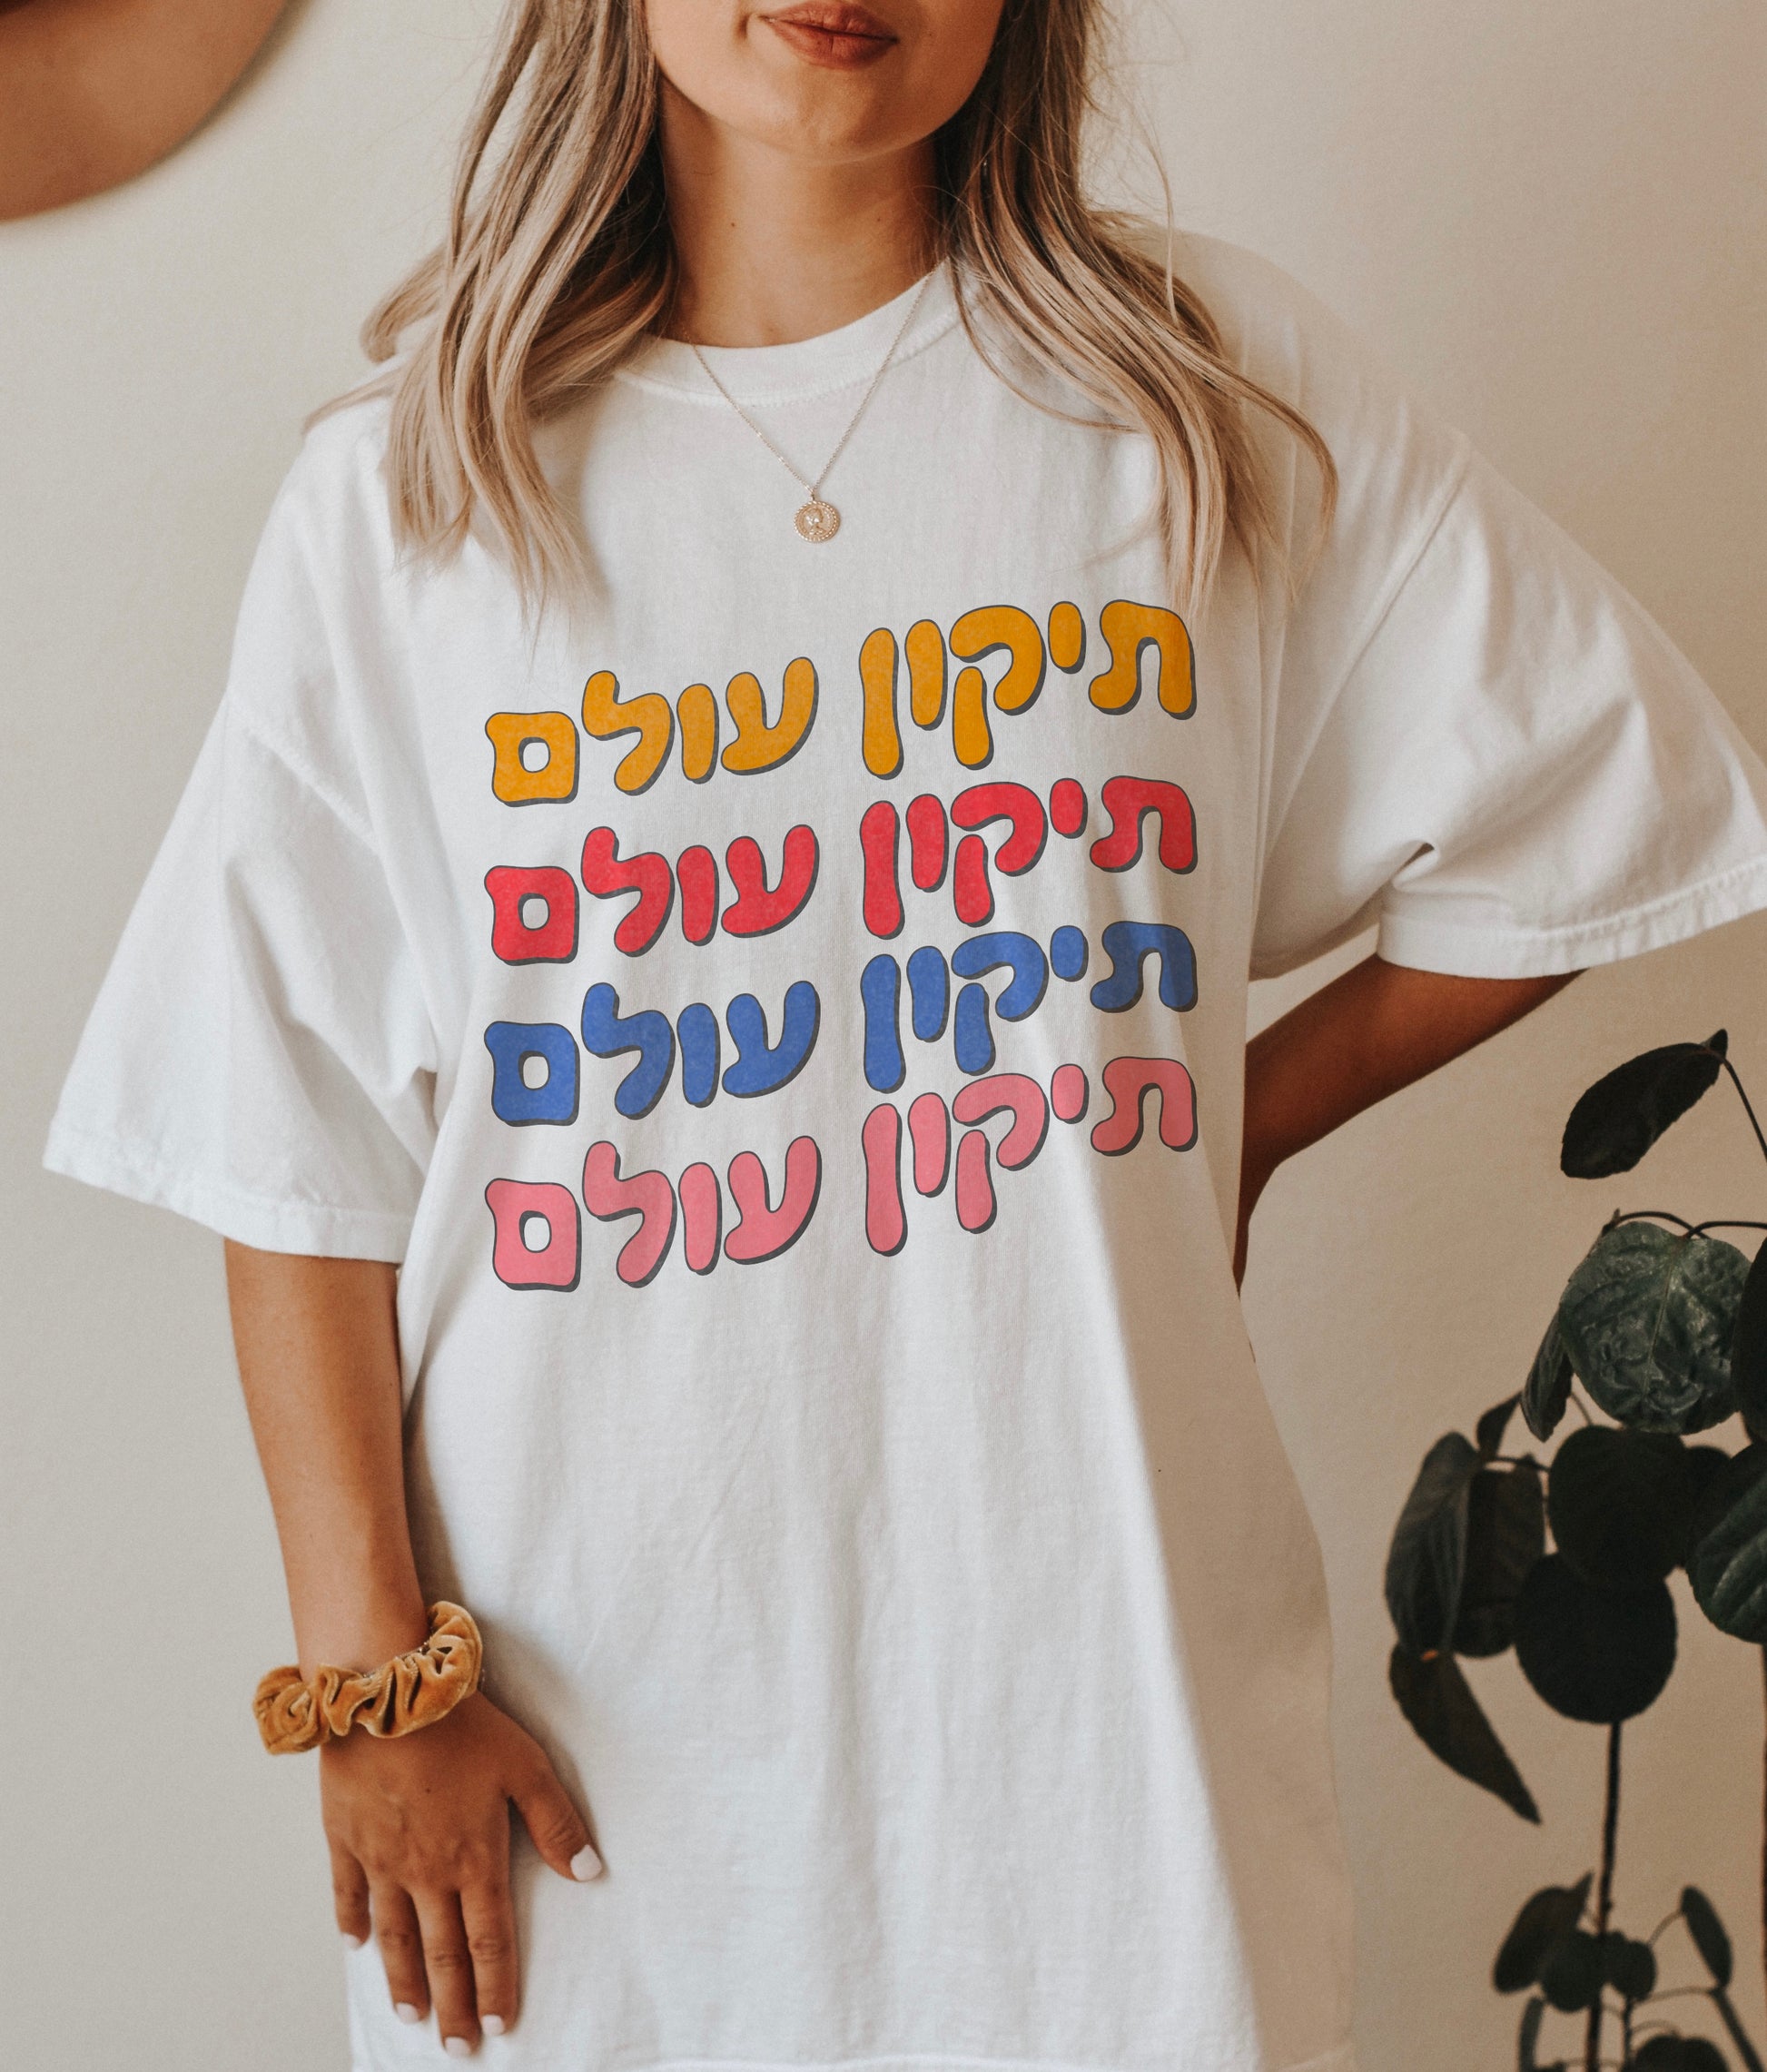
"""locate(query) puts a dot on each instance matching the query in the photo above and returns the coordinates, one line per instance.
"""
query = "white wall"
(1553, 218)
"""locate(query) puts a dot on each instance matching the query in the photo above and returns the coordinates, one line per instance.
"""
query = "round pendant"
(817, 521)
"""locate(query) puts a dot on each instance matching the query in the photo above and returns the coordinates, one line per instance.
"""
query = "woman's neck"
(772, 247)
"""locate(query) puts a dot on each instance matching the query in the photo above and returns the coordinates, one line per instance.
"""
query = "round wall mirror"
(93, 91)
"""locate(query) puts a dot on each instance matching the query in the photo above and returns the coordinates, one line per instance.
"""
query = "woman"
(785, 724)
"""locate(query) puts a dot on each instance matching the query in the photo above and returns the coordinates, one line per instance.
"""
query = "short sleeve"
(260, 1057)
(1478, 741)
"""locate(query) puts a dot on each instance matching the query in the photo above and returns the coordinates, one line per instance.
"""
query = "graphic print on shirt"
(957, 847)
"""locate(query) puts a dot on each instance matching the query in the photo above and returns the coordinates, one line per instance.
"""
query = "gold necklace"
(818, 520)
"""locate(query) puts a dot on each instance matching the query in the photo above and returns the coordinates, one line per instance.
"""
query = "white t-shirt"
(808, 1119)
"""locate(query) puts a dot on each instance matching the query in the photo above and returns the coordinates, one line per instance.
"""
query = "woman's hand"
(419, 1827)
(418, 1830)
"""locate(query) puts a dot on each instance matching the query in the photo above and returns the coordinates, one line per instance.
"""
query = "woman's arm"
(1352, 1042)
(418, 1827)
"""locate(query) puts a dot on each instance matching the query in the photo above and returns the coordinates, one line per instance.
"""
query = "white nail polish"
(350, 1941)
(493, 2024)
(586, 1864)
(456, 2047)
(405, 2011)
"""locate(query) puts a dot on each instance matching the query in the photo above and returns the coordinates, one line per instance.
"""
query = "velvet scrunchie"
(410, 1691)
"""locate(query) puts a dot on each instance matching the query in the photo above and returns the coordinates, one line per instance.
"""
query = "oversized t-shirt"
(786, 1015)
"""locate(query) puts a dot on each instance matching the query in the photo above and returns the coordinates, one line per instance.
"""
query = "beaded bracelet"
(411, 1690)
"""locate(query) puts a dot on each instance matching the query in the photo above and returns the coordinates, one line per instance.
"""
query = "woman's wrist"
(416, 1687)
(360, 1628)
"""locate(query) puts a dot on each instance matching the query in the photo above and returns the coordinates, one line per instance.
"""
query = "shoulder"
(1289, 341)
(327, 550)
(1254, 302)
(317, 597)
(1398, 462)
(1284, 337)
(335, 489)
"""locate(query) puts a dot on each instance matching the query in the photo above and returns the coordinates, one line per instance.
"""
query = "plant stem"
(1748, 1105)
(1592, 2045)
(1746, 2050)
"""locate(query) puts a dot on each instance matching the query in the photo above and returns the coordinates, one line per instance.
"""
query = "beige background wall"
(1553, 217)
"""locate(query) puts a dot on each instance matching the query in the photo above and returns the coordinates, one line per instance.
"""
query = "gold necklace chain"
(818, 520)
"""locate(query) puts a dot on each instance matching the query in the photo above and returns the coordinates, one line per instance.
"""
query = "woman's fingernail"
(456, 2047)
(493, 2024)
(350, 1941)
(405, 2011)
(586, 1864)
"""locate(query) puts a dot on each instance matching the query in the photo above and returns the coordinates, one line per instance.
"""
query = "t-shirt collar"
(761, 375)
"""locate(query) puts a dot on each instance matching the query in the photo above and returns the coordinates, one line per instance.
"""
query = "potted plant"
(1659, 1345)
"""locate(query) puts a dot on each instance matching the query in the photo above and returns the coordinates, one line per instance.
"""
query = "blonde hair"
(557, 261)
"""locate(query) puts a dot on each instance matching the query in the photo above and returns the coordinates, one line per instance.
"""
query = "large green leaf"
(1648, 1320)
(1505, 1535)
(1708, 1932)
(1623, 1113)
(1549, 1386)
(1438, 1701)
(1621, 1504)
(1427, 1559)
(1599, 1655)
(1546, 1916)
(1749, 1355)
(1727, 1565)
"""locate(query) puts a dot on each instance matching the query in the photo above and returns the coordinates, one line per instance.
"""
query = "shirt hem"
(311, 1228)
(1533, 954)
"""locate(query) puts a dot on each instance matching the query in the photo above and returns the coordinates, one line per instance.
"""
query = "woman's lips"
(829, 33)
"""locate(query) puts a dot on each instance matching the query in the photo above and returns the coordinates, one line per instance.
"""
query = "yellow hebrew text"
(925, 646)
(606, 713)
(697, 710)
(969, 719)
(979, 633)
(877, 675)
(1067, 637)
(758, 746)
(512, 779)
(1128, 630)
